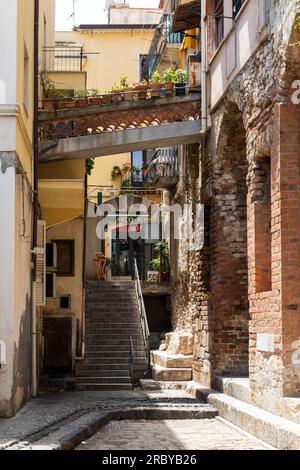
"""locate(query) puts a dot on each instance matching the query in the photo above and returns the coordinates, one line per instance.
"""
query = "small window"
(65, 257)
(219, 16)
(26, 80)
(236, 6)
(65, 302)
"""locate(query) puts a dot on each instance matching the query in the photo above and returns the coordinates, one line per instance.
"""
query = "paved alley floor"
(205, 434)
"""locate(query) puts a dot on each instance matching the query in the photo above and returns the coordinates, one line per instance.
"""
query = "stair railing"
(142, 311)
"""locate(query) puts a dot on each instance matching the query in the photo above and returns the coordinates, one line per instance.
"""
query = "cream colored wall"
(71, 230)
(101, 174)
(118, 53)
(239, 44)
(68, 80)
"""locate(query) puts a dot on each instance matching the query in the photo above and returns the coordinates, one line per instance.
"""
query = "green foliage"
(161, 262)
(124, 81)
(89, 165)
(156, 78)
(168, 75)
(81, 93)
(180, 76)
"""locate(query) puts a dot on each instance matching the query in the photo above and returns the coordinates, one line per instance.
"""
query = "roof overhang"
(187, 16)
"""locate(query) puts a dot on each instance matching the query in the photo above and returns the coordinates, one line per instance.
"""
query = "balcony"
(163, 171)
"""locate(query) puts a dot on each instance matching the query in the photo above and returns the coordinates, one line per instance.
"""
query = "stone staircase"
(112, 318)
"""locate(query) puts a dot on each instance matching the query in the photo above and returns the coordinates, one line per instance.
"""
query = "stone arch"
(229, 310)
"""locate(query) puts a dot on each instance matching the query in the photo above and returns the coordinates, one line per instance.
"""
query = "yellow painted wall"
(68, 80)
(25, 28)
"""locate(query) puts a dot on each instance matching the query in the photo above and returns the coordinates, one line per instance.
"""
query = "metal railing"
(142, 311)
(64, 59)
(164, 165)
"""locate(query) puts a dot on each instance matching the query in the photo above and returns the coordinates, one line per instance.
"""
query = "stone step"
(173, 361)
(106, 364)
(95, 372)
(109, 332)
(150, 384)
(103, 387)
(103, 380)
(170, 375)
(111, 354)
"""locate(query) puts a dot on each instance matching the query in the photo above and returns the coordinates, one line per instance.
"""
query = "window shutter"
(41, 265)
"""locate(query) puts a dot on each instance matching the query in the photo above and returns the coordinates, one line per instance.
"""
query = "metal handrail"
(143, 315)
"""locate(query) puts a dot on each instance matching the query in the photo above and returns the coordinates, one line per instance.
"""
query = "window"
(65, 302)
(26, 80)
(65, 257)
(143, 60)
(137, 162)
(219, 16)
(236, 6)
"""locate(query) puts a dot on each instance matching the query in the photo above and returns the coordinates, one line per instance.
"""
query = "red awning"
(187, 16)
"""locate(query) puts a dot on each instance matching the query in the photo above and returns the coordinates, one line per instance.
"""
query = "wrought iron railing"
(164, 167)
(142, 311)
(64, 59)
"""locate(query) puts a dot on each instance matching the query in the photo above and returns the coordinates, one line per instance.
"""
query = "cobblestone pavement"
(45, 414)
(206, 434)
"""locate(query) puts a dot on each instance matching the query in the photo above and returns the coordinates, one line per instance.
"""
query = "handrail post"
(143, 316)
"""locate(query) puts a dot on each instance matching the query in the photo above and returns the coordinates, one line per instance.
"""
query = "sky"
(89, 11)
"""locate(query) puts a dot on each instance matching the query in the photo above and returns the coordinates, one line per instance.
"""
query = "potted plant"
(126, 168)
(168, 78)
(142, 89)
(82, 99)
(156, 85)
(128, 92)
(106, 98)
(94, 97)
(48, 87)
(116, 171)
(180, 76)
(161, 261)
(65, 99)
(116, 96)
(145, 168)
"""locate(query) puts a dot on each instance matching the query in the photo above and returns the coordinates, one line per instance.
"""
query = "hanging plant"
(89, 165)
(116, 171)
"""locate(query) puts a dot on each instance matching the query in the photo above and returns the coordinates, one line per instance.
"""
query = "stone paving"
(46, 414)
(206, 434)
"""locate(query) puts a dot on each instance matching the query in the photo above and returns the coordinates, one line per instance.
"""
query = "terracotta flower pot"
(116, 96)
(169, 88)
(128, 94)
(66, 104)
(142, 91)
(155, 90)
(106, 99)
(81, 102)
(49, 105)
(95, 100)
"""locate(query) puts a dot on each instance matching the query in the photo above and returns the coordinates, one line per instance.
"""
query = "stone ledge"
(163, 373)
(235, 387)
(177, 361)
(274, 430)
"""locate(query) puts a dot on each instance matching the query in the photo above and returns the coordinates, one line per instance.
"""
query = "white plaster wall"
(7, 282)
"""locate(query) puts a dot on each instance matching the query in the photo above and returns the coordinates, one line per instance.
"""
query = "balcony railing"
(162, 37)
(64, 59)
(163, 171)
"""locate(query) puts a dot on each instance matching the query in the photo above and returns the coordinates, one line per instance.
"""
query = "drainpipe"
(35, 198)
(204, 69)
(82, 356)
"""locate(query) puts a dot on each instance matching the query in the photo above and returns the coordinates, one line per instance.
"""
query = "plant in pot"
(168, 78)
(181, 77)
(126, 168)
(89, 165)
(48, 87)
(161, 261)
(145, 168)
(116, 96)
(142, 89)
(106, 98)
(81, 98)
(116, 171)
(128, 92)
(94, 97)
(65, 99)
(156, 85)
